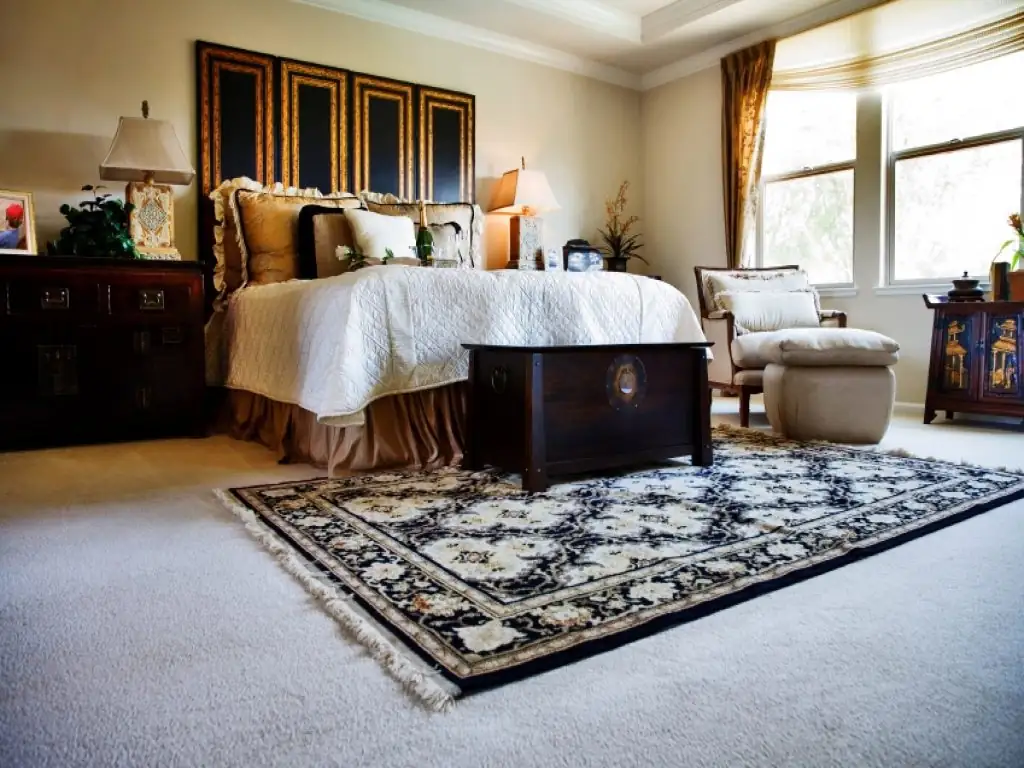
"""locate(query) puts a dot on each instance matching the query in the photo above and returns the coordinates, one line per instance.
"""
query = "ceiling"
(635, 43)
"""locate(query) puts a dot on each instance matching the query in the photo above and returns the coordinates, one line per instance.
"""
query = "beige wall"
(74, 66)
(682, 140)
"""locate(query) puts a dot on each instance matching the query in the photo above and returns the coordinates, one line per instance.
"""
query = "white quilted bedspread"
(335, 345)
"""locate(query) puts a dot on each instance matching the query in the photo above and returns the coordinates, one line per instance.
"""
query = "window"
(806, 211)
(955, 171)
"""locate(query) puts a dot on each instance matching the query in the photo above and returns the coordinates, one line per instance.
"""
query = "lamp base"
(525, 243)
(151, 222)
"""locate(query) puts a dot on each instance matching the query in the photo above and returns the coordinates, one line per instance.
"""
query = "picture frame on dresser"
(17, 223)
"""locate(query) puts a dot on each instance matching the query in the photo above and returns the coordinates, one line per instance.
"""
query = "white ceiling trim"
(667, 20)
(455, 31)
(712, 56)
(590, 14)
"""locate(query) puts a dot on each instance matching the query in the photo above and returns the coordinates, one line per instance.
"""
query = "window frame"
(889, 255)
(806, 172)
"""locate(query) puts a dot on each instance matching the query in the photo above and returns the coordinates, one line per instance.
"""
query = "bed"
(365, 370)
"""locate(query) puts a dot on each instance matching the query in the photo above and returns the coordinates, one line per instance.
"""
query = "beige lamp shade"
(145, 150)
(523, 192)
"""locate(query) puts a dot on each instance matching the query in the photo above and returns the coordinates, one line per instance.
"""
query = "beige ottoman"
(829, 383)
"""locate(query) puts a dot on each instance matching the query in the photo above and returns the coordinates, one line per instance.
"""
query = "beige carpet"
(141, 625)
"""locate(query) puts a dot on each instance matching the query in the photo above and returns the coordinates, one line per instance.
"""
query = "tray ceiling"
(635, 43)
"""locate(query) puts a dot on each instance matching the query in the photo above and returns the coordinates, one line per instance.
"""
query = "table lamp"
(524, 193)
(146, 153)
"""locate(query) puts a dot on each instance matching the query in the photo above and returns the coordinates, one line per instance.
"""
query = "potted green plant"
(620, 243)
(98, 228)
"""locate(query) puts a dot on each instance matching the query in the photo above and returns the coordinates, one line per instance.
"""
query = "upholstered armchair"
(738, 304)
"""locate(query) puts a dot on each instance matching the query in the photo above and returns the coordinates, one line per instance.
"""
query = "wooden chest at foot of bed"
(547, 411)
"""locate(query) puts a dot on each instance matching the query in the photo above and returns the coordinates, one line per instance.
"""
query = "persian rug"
(457, 581)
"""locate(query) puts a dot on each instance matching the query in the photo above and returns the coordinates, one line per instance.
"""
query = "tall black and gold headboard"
(314, 126)
(446, 145)
(275, 119)
(383, 136)
(237, 130)
(307, 125)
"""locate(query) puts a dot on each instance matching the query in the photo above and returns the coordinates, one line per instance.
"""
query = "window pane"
(951, 210)
(972, 101)
(808, 129)
(809, 222)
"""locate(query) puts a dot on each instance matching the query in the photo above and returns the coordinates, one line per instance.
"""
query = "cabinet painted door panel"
(957, 372)
(1002, 352)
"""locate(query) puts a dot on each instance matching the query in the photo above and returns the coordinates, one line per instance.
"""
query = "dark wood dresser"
(99, 349)
(977, 349)
(547, 411)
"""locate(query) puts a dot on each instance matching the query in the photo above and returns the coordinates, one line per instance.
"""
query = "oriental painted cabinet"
(975, 358)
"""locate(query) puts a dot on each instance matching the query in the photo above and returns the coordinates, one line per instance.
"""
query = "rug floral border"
(824, 544)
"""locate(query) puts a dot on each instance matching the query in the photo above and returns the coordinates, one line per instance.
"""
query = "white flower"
(488, 636)
(383, 572)
(791, 551)
(651, 591)
(439, 605)
(565, 616)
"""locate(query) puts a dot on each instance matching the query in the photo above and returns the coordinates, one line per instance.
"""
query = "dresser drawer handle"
(151, 299)
(143, 398)
(55, 298)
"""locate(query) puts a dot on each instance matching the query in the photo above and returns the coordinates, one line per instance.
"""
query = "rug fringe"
(338, 605)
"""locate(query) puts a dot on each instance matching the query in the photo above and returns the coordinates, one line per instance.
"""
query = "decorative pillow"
(229, 268)
(269, 229)
(754, 280)
(322, 231)
(755, 311)
(451, 247)
(375, 234)
(468, 216)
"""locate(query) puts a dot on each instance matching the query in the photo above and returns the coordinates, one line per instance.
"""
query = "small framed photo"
(17, 223)
(581, 256)
(552, 260)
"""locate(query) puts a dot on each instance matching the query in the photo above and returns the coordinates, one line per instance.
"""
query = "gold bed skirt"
(422, 430)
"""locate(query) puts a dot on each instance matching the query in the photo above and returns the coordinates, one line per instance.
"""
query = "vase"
(616, 263)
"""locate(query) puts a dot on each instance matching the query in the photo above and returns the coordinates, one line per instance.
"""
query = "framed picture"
(581, 256)
(17, 223)
(552, 260)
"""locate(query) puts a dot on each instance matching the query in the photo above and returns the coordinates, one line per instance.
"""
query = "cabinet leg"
(535, 480)
(949, 415)
(702, 456)
(929, 415)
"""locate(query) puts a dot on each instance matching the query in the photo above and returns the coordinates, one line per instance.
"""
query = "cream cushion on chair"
(757, 311)
(814, 347)
(718, 282)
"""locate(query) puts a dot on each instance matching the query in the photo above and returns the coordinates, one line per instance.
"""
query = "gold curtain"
(746, 76)
(870, 69)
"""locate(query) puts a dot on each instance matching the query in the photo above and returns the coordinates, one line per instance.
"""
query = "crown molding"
(593, 15)
(666, 20)
(711, 56)
(465, 34)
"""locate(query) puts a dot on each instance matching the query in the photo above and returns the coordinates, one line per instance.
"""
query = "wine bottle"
(424, 238)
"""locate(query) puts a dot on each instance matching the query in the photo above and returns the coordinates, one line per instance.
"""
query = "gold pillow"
(269, 226)
(229, 268)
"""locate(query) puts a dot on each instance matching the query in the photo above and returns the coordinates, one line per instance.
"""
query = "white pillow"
(375, 234)
(756, 280)
(771, 310)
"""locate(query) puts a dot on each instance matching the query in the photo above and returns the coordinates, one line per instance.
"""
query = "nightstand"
(97, 350)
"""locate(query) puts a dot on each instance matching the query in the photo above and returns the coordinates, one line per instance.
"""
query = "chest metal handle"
(55, 298)
(151, 299)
